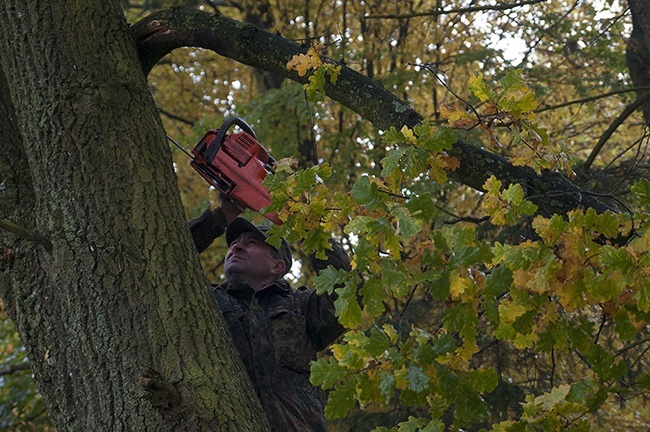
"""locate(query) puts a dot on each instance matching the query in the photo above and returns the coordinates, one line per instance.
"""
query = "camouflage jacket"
(277, 332)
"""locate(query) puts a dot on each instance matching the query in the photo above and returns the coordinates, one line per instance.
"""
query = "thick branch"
(162, 32)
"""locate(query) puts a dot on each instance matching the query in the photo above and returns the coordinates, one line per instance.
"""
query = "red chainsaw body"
(236, 167)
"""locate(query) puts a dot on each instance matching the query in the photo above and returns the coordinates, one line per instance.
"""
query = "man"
(277, 330)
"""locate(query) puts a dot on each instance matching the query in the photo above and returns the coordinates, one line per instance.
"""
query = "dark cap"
(241, 225)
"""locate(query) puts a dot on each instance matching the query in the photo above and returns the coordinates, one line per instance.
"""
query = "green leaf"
(582, 390)
(447, 381)
(421, 425)
(347, 308)
(514, 194)
(418, 381)
(595, 402)
(483, 380)
(341, 400)
(374, 296)
(643, 381)
(579, 334)
(444, 344)
(391, 163)
(606, 223)
(368, 389)
(326, 372)
(329, 278)
(386, 383)
(454, 318)
(364, 252)
(422, 207)
(413, 424)
(616, 258)
(603, 364)
(623, 325)
(470, 408)
(642, 190)
(366, 192)
(643, 296)
(378, 342)
(392, 281)
(316, 240)
(498, 283)
(407, 226)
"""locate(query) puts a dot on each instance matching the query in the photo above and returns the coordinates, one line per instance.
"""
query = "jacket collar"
(242, 289)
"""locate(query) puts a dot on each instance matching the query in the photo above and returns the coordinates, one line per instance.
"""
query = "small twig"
(636, 160)
(600, 330)
(612, 128)
(408, 302)
(591, 98)
(10, 369)
(434, 71)
(462, 218)
(552, 368)
(176, 117)
(26, 233)
(633, 345)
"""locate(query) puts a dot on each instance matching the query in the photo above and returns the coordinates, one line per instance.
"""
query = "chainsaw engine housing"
(235, 164)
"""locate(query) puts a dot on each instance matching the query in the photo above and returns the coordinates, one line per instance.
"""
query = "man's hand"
(231, 209)
(162, 394)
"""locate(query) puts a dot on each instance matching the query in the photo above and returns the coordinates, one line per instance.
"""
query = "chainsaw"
(236, 164)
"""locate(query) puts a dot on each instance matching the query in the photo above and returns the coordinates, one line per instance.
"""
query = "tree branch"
(13, 368)
(176, 117)
(591, 98)
(612, 128)
(160, 33)
(26, 233)
(437, 12)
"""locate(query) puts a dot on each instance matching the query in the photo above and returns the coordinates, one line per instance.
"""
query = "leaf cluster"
(541, 295)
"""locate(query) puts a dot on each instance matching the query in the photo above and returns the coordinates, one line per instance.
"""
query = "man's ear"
(279, 267)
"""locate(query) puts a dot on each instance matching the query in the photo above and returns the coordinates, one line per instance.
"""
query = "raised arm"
(212, 223)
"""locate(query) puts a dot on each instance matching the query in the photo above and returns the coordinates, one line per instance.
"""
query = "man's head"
(250, 259)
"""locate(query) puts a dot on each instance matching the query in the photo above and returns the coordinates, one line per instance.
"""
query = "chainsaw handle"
(221, 135)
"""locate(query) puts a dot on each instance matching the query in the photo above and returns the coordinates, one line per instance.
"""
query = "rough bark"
(85, 164)
(638, 49)
(162, 32)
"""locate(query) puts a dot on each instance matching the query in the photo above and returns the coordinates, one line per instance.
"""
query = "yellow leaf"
(304, 62)
(457, 117)
(458, 285)
(408, 133)
(522, 156)
(401, 381)
(450, 162)
(523, 341)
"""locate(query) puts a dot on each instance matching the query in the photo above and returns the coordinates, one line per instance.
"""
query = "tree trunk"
(638, 49)
(117, 285)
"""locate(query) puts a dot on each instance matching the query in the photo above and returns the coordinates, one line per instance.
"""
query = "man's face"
(250, 259)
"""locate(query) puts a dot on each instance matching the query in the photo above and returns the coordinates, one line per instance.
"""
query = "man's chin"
(233, 272)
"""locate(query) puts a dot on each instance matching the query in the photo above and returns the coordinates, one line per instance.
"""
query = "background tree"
(474, 313)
